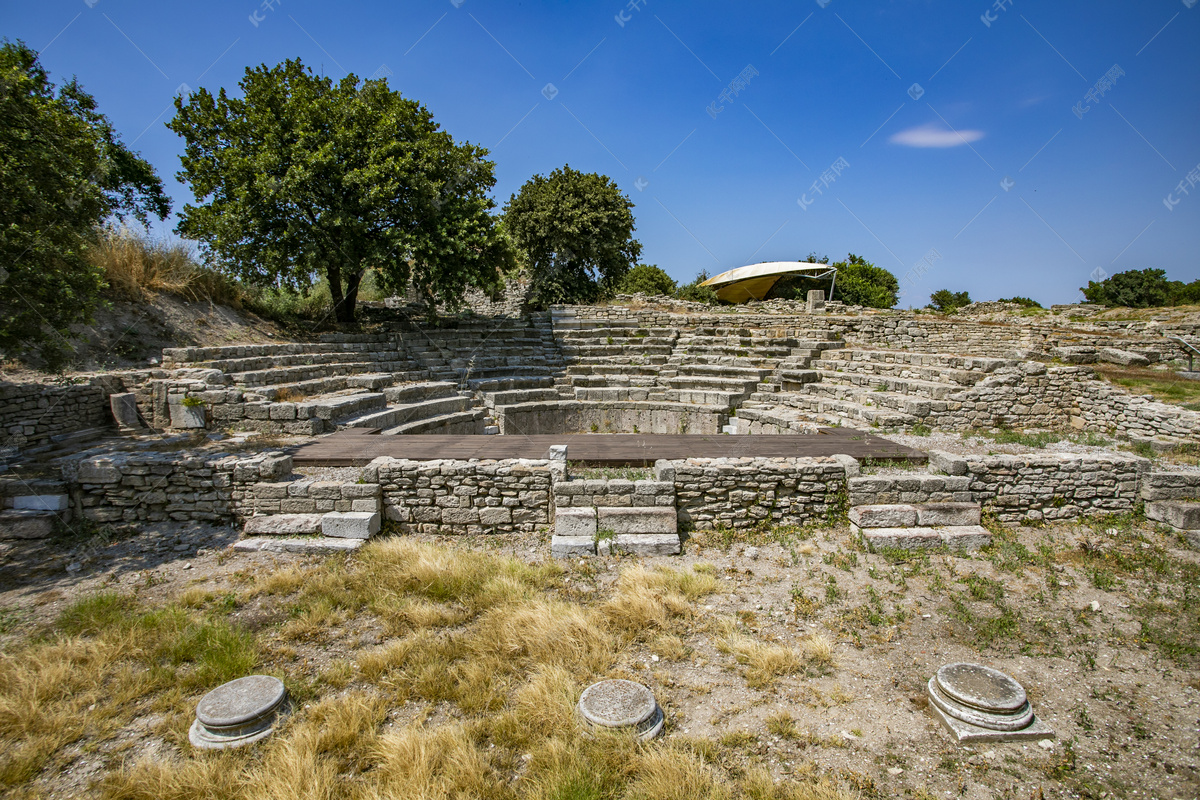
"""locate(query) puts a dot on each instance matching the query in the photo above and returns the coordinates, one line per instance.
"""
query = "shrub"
(861, 283)
(1024, 302)
(696, 293)
(648, 279)
(947, 302)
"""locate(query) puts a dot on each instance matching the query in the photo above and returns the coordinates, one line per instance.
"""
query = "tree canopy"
(575, 230)
(947, 302)
(861, 283)
(1141, 288)
(648, 279)
(302, 175)
(64, 171)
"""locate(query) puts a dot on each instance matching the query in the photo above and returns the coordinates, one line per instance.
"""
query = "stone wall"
(1106, 408)
(613, 493)
(32, 415)
(152, 487)
(747, 492)
(581, 416)
(1050, 486)
(464, 496)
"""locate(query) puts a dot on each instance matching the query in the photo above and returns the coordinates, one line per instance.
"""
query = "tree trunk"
(342, 311)
(351, 300)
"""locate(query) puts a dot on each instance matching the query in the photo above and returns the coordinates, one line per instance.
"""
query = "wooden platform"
(357, 447)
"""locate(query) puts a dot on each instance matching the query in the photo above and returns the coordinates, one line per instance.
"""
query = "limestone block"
(99, 470)
(1123, 357)
(575, 522)
(883, 516)
(284, 525)
(637, 520)
(647, 544)
(937, 514)
(26, 524)
(495, 516)
(966, 537)
(350, 524)
(572, 546)
(318, 546)
(42, 502)
(947, 463)
(1178, 514)
(124, 410)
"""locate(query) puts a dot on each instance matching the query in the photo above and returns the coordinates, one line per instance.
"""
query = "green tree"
(861, 283)
(64, 171)
(1185, 294)
(301, 176)
(947, 302)
(1025, 302)
(696, 293)
(1134, 288)
(648, 279)
(575, 230)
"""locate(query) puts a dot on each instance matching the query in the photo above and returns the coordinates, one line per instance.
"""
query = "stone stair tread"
(315, 544)
(283, 524)
(968, 537)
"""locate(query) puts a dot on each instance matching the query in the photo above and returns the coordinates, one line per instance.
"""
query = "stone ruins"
(118, 443)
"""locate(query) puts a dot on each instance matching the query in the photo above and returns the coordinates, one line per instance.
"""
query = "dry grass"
(138, 267)
(766, 662)
(487, 645)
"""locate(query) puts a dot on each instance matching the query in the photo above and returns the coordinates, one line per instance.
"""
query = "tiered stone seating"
(880, 388)
(304, 368)
(486, 349)
(511, 391)
(420, 407)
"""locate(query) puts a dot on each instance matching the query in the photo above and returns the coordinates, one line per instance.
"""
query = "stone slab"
(940, 514)
(26, 524)
(617, 703)
(42, 502)
(351, 524)
(125, 411)
(284, 525)
(575, 522)
(648, 544)
(1179, 514)
(965, 537)
(318, 545)
(884, 516)
(966, 733)
(238, 713)
(1123, 357)
(638, 520)
(572, 546)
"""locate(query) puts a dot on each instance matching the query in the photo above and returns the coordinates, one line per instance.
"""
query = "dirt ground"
(1098, 621)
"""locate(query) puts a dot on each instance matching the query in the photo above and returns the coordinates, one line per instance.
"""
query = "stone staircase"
(1173, 498)
(485, 348)
(301, 515)
(31, 509)
(614, 516)
(876, 388)
(433, 407)
(913, 510)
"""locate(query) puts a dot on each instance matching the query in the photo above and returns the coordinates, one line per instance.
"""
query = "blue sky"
(954, 143)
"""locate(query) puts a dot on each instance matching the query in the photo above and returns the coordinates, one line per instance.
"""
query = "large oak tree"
(301, 176)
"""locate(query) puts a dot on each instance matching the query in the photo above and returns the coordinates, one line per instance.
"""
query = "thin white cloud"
(931, 134)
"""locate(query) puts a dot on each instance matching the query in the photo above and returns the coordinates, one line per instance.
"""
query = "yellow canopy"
(752, 282)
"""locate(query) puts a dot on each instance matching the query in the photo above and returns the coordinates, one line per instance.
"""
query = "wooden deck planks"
(625, 449)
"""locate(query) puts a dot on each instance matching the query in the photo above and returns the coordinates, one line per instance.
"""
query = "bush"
(648, 279)
(947, 302)
(1024, 302)
(1134, 288)
(861, 283)
(696, 293)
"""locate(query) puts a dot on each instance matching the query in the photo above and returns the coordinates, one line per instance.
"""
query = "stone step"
(397, 415)
(321, 386)
(341, 407)
(25, 523)
(339, 369)
(283, 525)
(1182, 515)
(464, 422)
(512, 383)
(964, 537)
(702, 397)
(909, 386)
(916, 407)
(317, 545)
(844, 411)
(1171, 486)
(514, 396)
(909, 515)
(419, 392)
